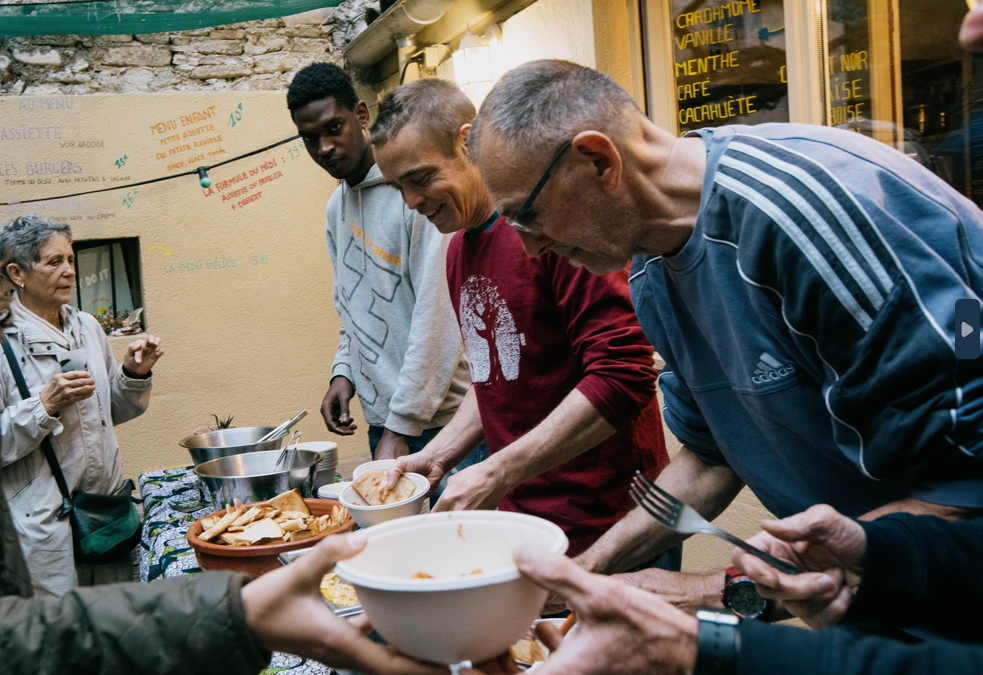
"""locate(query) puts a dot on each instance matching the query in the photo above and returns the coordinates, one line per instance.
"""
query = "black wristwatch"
(717, 643)
(741, 596)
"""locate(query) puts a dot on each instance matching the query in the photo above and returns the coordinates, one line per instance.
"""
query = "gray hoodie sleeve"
(435, 344)
(342, 361)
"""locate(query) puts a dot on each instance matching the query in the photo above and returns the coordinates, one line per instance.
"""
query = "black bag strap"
(46, 449)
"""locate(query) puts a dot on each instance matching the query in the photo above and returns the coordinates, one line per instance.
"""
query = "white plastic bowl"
(331, 490)
(326, 448)
(367, 516)
(377, 465)
(451, 618)
(383, 465)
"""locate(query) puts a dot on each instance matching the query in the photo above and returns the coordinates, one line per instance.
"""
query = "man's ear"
(462, 137)
(598, 149)
(362, 114)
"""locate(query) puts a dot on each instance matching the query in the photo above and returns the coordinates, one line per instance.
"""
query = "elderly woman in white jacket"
(76, 409)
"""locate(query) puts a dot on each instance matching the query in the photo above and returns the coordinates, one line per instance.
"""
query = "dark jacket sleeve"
(618, 365)
(184, 626)
(767, 648)
(922, 572)
(15, 579)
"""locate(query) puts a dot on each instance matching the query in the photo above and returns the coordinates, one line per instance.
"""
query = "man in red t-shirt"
(563, 378)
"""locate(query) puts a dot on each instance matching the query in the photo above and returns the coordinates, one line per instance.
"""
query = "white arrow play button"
(966, 329)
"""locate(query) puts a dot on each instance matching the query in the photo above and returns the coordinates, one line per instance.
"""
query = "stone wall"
(250, 56)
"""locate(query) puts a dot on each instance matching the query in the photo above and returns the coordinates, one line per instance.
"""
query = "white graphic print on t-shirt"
(489, 331)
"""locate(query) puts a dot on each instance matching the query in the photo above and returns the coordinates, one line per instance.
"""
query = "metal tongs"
(283, 428)
(283, 453)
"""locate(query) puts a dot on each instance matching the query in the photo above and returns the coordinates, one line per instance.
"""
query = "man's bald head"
(536, 107)
(568, 157)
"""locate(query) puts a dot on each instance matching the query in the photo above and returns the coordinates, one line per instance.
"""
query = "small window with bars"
(107, 283)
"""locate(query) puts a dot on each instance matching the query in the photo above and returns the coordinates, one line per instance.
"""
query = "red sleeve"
(618, 362)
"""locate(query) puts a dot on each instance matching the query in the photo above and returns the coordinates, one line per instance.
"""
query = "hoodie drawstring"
(361, 217)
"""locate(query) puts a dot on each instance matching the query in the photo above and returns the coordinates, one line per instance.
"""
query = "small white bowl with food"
(444, 588)
(375, 465)
(384, 464)
(370, 501)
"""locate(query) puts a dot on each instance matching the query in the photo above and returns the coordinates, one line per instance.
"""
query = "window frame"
(130, 249)
(808, 86)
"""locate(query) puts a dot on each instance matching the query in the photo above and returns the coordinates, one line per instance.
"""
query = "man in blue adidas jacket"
(799, 282)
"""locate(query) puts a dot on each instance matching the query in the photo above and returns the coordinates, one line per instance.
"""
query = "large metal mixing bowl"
(256, 477)
(226, 442)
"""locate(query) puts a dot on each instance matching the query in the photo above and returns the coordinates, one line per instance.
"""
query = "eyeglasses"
(516, 220)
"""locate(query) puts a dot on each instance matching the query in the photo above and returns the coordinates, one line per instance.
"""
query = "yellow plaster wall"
(256, 339)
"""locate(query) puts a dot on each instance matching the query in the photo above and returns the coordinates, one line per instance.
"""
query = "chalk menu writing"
(43, 151)
(14, 137)
(51, 147)
(188, 140)
(729, 62)
(240, 190)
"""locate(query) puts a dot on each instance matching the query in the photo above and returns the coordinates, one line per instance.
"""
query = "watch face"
(743, 598)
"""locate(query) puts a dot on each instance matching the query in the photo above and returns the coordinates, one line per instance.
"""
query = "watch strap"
(717, 647)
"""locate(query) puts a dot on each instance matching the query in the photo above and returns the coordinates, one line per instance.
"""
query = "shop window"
(898, 74)
(729, 62)
(107, 280)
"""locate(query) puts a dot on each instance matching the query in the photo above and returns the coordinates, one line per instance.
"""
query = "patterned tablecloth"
(164, 549)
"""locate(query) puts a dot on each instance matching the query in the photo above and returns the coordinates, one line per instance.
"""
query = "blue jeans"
(417, 443)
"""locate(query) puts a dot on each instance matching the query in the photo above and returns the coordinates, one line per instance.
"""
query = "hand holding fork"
(683, 519)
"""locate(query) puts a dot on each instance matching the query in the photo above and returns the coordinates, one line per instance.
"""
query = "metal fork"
(683, 519)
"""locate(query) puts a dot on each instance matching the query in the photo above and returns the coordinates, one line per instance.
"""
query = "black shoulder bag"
(104, 527)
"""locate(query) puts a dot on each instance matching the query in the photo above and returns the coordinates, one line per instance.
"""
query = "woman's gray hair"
(21, 240)
(539, 105)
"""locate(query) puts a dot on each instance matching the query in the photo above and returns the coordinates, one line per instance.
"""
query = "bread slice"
(527, 651)
(373, 486)
(290, 501)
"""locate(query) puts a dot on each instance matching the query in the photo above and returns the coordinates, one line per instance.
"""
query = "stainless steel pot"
(226, 442)
(255, 476)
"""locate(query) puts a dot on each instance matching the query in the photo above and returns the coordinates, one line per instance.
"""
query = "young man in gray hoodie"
(400, 346)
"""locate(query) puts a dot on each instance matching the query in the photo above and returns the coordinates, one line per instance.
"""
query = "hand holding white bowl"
(621, 630)
(286, 613)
